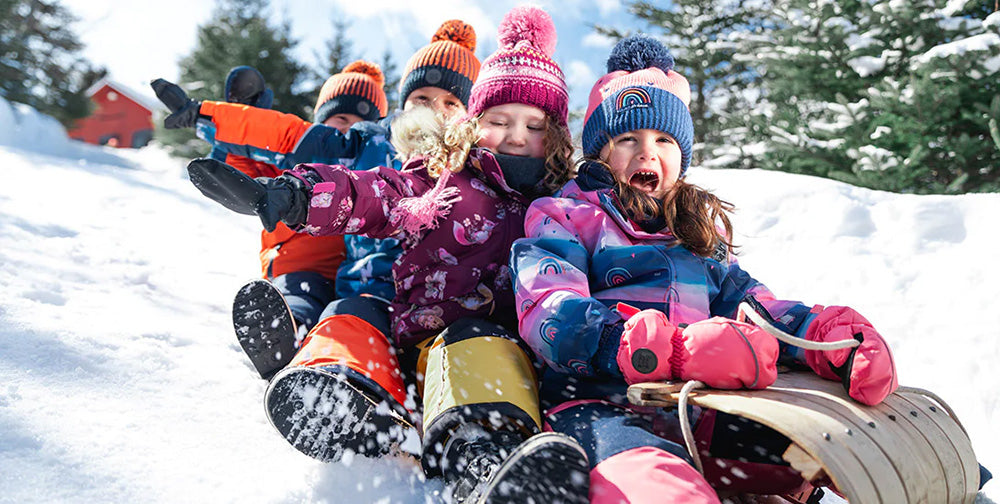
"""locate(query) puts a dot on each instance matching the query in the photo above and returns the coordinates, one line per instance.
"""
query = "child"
(457, 211)
(439, 75)
(630, 229)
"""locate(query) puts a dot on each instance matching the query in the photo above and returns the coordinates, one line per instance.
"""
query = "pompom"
(458, 32)
(368, 68)
(531, 24)
(636, 52)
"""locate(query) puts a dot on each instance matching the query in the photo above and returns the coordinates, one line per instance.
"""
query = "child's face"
(646, 159)
(514, 129)
(342, 122)
(436, 98)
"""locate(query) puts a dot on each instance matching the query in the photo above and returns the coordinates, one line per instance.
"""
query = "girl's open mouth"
(644, 180)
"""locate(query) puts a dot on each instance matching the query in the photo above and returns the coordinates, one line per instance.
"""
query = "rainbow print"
(549, 266)
(632, 97)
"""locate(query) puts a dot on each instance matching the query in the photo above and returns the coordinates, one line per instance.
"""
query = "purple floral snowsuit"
(456, 270)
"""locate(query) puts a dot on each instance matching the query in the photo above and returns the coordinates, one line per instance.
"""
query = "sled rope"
(686, 424)
(935, 398)
(747, 311)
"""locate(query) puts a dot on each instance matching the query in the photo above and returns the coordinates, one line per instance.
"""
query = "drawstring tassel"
(422, 212)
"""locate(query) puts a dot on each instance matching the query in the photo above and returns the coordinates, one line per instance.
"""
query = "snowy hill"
(120, 379)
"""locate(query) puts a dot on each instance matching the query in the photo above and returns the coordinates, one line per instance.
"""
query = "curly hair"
(691, 213)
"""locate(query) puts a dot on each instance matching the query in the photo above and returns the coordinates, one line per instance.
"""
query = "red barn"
(121, 117)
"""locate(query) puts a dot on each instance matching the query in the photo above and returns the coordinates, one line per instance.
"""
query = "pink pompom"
(531, 24)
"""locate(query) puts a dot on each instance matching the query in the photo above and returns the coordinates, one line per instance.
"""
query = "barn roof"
(146, 102)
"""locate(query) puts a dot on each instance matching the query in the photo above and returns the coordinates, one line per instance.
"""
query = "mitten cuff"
(646, 346)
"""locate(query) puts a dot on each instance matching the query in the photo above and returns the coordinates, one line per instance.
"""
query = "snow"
(120, 379)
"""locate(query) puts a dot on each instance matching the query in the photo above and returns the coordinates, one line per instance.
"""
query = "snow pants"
(474, 371)
(639, 456)
(307, 294)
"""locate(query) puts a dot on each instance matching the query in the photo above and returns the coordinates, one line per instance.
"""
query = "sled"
(910, 448)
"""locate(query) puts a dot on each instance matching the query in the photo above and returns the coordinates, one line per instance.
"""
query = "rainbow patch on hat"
(633, 97)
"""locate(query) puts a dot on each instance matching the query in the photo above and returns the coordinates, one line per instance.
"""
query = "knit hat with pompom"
(355, 90)
(449, 62)
(640, 91)
(522, 69)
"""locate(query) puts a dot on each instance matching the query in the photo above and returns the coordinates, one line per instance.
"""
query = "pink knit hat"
(522, 69)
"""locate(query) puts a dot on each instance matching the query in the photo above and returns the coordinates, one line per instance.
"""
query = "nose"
(517, 137)
(647, 150)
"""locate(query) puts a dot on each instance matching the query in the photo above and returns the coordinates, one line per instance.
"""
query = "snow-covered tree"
(705, 38)
(40, 61)
(241, 32)
(888, 94)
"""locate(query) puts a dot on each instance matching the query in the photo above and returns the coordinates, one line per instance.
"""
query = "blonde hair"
(445, 143)
(691, 213)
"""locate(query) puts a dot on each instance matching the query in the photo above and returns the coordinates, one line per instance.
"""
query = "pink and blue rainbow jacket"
(581, 256)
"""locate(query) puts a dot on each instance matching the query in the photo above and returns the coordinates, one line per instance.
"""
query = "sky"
(120, 34)
(121, 379)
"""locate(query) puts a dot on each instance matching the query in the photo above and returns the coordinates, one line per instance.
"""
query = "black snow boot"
(264, 327)
(481, 467)
(323, 414)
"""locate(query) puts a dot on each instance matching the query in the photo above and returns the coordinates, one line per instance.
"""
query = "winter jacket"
(582, 255)
(457, 269)
(284, 140)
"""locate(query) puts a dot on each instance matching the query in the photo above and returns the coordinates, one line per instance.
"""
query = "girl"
(439, 75)
(629, 229)
(457, 210)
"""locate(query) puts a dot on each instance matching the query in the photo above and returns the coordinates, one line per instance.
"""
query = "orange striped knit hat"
(448, 62)
(355, 90)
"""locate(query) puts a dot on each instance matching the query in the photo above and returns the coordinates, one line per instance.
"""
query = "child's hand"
(183, 110)
(282, 198)
(720, 352)
(867, 370)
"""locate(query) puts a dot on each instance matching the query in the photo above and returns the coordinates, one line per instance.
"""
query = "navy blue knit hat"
(640, 91)
(247, 86)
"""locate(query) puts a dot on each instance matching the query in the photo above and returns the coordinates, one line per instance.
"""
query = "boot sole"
(264, 327)
(323, 415)
(517, 481)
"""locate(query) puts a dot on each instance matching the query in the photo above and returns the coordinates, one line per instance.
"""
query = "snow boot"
(264, 327)
(497, 468)
(323, 414)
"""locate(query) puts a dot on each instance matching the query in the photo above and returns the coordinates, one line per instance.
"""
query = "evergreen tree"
(339, 49)
(240, 33)
(391, 86)
(40, 63)
(704, 37)
(884, 94)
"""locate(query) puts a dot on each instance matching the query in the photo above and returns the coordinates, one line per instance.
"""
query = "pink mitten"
(867, 370)
(720, 352)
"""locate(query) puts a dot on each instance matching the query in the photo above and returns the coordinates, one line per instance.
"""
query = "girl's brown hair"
(559, 166)
(690, 212)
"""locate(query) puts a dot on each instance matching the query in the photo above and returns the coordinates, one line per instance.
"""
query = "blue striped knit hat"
(640, 91)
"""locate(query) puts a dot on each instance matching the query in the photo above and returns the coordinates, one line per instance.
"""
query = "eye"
(495, 122)
(626, 138)
(535, 127)
(451, 104)
(666, 139)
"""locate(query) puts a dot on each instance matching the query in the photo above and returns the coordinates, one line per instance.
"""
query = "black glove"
(183, 110)
(284, 198)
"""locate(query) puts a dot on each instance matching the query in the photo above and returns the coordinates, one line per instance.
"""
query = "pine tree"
(240, 33)
(884, 94)
(40, 64)
(703, 37)
(391, 86)
(339, 49)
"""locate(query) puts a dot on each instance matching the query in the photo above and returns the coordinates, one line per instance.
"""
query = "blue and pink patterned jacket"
(457, 269)
(581, 256)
